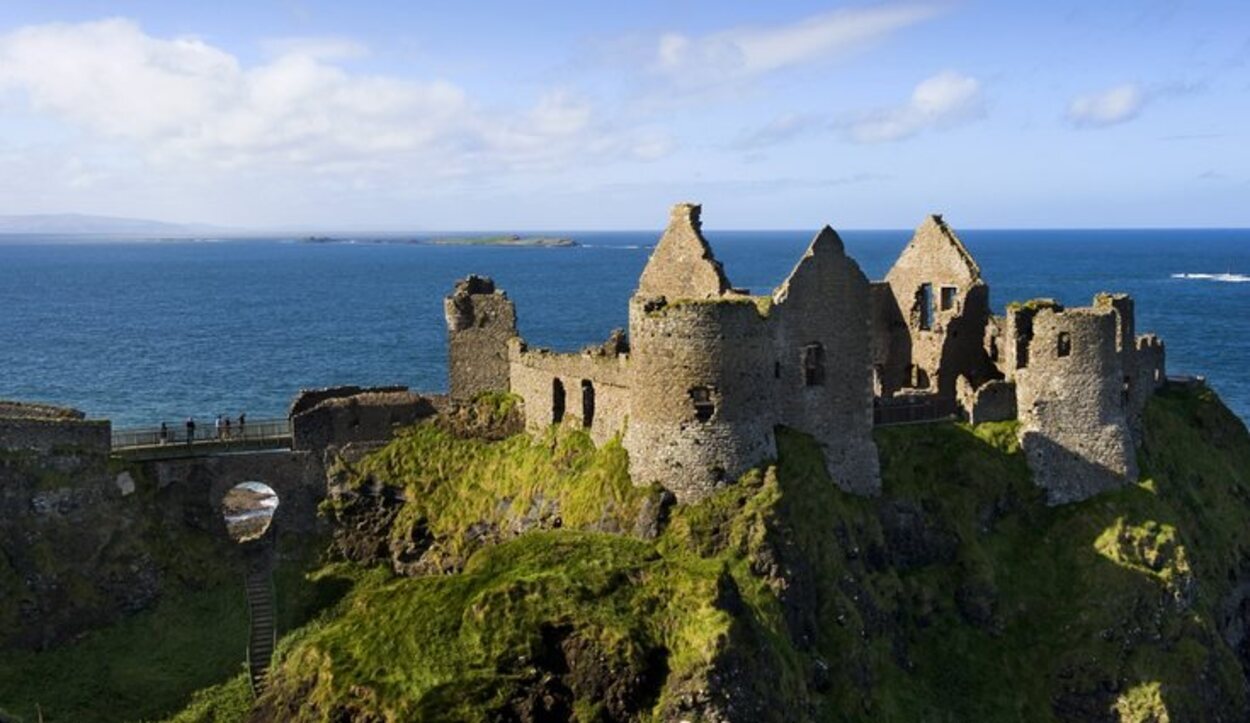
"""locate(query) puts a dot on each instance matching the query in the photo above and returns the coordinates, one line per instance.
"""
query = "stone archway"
(248, 509)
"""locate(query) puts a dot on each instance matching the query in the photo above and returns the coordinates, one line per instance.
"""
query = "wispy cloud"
(942, 101)
(747, 52)
(1108, 107)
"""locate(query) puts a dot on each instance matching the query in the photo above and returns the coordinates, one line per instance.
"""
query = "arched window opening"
(557, 401)
(248, 509)
(1064, 344)
(588, 403)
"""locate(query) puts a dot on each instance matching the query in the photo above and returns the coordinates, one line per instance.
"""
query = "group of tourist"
(224, 429)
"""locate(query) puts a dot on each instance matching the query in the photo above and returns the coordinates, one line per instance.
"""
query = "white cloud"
(1107, 107)
(746, 52)
(942, 101)
(182, 99)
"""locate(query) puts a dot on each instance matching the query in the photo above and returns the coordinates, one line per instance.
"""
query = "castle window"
(924, 304)
(557, 401)
(704, 405)
(1126, 391)
(947, 297)
(813, 360)
(776, 370)
(588, 403)
(1065, 344)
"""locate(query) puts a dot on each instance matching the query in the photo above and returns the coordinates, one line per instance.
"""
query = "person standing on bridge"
(164, 433)
(218, 426)
(242, 421)
(190, 429)
(227, 427)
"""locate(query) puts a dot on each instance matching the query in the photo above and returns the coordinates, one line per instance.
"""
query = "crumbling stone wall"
(682, 265)
(939, 294)
(1073, 424)
(480, 322)
(365, 415)
(993, 401)
(595, 380)
(825, 305)
(306, 399)
(70, 554)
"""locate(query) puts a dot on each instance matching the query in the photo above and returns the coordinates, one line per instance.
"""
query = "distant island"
(468, 240)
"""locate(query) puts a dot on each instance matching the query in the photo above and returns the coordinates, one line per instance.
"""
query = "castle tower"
(1072, 403)
(480, 322)
(702, 406)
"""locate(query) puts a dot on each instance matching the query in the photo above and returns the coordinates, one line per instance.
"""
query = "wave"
(1226, 278)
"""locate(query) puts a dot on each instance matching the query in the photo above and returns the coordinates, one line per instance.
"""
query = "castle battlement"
(707, 372)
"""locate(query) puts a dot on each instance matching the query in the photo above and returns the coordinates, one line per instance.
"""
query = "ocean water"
(144, 332)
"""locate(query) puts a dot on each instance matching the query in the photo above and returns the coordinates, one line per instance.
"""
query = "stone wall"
(306, 399)
(993, 401)
(682, 265)
(297, 477)
(595, 380)
(480, 322)
(1070, 396)
(363, 416)
(824, 304)
(71, 557)
(49, 434)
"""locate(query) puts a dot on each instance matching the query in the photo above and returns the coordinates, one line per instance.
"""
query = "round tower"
(703, 393)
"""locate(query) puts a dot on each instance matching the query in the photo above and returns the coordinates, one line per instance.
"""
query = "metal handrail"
(205, 433)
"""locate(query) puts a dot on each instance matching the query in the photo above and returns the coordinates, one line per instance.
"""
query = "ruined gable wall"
(953, 343)
(682, 265)
(480, 322)
(723, 346)
(533, 372)
(826, 301)
(1073, 426)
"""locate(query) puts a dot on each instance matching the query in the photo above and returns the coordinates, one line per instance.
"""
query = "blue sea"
(144, 332)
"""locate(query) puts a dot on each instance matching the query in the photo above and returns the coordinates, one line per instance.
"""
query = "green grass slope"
(957, 595)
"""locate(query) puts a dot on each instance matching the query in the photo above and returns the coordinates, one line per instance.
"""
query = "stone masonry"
(708, 371)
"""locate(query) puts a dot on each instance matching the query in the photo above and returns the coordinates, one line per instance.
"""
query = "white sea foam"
(1226, 278)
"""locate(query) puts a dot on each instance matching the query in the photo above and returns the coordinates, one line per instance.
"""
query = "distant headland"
(463, 240)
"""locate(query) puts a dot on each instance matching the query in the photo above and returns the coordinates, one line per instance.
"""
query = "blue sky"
(495, 115)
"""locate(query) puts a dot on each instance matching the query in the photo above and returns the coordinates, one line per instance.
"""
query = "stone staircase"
(263, 632)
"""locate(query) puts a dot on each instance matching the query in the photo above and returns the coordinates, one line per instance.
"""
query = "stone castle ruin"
(708, 371)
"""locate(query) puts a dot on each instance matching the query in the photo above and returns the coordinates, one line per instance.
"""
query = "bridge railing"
(204, 433)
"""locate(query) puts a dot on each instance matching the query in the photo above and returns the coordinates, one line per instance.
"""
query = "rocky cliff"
(528, 580)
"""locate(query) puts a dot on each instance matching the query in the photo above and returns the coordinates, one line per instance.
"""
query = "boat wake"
(1226, 278)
